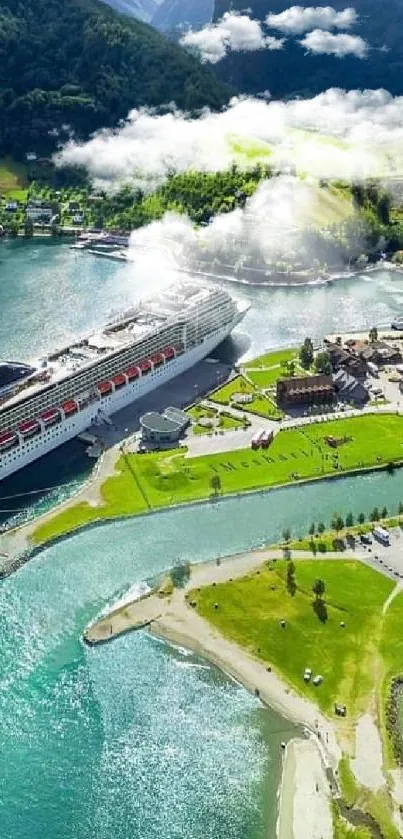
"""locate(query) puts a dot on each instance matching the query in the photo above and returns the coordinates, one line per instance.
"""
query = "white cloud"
(335, 134)
(271, 231)
(233, 32)
(299, 19)
(325, 43)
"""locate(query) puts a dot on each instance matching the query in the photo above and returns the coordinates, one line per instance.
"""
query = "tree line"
(80, 66)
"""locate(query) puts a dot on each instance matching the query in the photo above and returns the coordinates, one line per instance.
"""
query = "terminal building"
(163, 428)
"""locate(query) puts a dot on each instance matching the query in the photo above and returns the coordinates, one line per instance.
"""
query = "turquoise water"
(71, 291)
(137, 740)
(46, 282)
(128, 740)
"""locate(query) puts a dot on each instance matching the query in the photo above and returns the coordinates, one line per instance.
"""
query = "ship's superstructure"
(44, 404)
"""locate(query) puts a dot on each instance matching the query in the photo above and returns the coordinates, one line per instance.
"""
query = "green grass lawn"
(223, 422)
(263, 406)
(264, 379)
(121, 496)
(273, 359)
(13, 179)
(250, 610)
(374, 439)
(236, 385)
(165, 478)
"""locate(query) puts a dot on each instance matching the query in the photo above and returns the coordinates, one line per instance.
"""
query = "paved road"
(385, 558)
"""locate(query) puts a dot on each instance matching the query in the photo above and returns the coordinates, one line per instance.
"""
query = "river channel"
(136, 740)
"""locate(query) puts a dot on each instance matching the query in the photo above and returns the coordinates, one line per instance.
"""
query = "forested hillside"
(290, 71)
(79, 64)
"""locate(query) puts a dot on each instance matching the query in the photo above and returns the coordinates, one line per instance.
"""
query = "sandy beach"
(305, 809)
(305, 789)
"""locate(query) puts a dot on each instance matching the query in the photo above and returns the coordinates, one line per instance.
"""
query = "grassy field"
(272, 359)
(13, 179)
(160, 479)
(268, 378)
(220, 421)
(250, 610)
(121, 496)
(261, 404)
(369, 440)
(237, 385)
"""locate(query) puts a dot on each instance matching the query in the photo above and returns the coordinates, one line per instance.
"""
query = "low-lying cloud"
(340, 45)
(234, 32)
(299, 19)
(277, 228)
(339, 134)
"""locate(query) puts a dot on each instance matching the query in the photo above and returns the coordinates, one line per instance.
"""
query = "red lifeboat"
(145, 366)
(7, 439)
(119, 380)
(50, 416)
(132, 373)
(104, 388)
(157, 359)
(70, 407)
(28, 427)
(168, 352)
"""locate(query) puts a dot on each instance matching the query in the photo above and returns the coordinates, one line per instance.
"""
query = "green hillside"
(79, 64)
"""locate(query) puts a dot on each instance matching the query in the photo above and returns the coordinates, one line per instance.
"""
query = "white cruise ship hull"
(53, 437)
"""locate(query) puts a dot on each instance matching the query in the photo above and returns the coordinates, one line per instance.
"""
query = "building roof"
(159, 423)
(173, 419)
(177, 415)
(349, 386)
(305, 384)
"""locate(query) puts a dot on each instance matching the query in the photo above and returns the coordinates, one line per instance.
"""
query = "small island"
(319, 641)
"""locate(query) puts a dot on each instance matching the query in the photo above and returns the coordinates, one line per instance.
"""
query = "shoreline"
(295, 281)
(92, 487)
(308, 786)
(173, 620)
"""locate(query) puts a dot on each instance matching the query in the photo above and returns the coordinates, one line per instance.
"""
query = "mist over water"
(74, 292)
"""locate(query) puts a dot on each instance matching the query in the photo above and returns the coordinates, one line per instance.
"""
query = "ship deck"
(143, 321)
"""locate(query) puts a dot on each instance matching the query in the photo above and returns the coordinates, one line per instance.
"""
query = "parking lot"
(385, 558)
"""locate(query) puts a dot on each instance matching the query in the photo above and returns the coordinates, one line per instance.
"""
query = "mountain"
(78, 65)
(179, 14)
(290, 71)
(141, 9)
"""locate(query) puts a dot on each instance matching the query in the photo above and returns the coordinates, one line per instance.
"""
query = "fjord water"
(46, 282)
(136, 740)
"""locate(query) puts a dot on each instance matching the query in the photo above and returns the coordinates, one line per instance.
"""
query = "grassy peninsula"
(350, 634)
(151, 481)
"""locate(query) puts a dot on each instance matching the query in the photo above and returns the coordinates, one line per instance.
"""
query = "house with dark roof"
(349, 389)
(346, 359)
(305, 390)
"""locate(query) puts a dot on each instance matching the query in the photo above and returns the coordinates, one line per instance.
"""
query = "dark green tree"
(337, 523)
(306, 353)
(323, 364)
(349, 520)
(318, 589)
(215, 483)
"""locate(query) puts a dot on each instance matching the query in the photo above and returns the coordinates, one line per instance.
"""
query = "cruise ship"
(45, 403)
